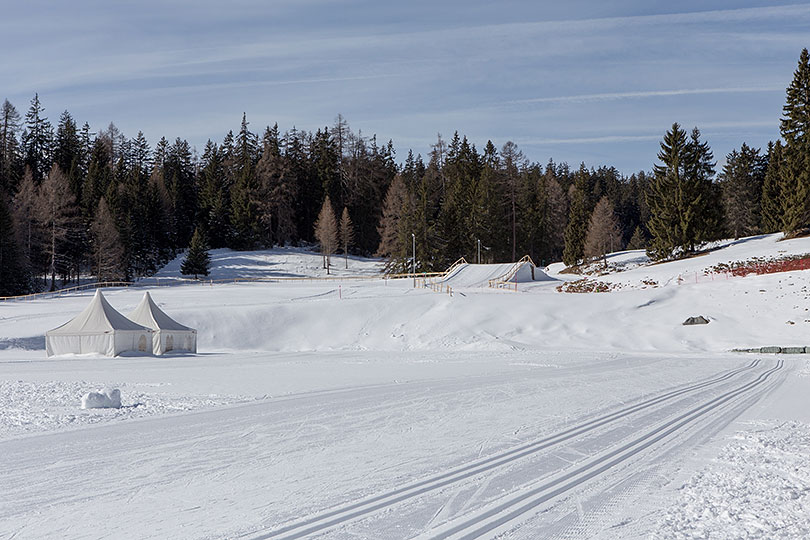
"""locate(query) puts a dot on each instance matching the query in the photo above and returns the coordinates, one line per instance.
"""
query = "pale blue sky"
(597, 82)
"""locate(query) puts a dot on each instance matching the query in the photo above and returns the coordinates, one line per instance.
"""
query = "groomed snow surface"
(365, 408)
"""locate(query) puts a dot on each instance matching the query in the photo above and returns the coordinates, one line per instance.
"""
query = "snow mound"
(758, 487)
(109, 398)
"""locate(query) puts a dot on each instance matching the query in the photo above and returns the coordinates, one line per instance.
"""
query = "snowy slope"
(289, 262)
(372, 409)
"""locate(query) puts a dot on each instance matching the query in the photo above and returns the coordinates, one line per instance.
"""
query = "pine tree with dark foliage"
(11, 163)
(795, 129)
(37, 140)
(577, 227)
(684, 205)
(197, 259)
(741, 181)
(772, 189)
(14, 278)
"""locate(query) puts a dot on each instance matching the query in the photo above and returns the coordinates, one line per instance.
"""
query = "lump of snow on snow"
(104, 399)
(758, 487)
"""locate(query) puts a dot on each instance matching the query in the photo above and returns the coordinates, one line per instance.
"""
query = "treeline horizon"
(74, 202)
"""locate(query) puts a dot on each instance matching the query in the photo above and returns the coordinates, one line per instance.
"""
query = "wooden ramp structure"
(463, 275)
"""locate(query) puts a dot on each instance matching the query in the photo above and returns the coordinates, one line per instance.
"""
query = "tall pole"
(413, 260)
(479, 251)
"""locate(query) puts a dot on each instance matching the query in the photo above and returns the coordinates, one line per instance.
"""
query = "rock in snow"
(103, 399)
(700, 319)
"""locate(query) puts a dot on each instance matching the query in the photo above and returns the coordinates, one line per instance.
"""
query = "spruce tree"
(277, 189)
(684, 202)
(99, 176)
(13, 274)
(197, 259)
(37, 140)
(68, 153)
(11, 166)
(772, 189)
(181, 185)
(577, 227)
(795, 129)
(555, 220)
(638, 240)
(741, 181)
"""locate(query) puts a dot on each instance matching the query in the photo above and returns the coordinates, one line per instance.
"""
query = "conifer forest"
(76, 202)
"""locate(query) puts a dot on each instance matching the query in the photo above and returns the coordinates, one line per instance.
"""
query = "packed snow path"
(464, 455)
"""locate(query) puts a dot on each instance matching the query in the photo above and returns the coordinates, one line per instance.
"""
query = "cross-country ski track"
(197, 445)
(485, 521)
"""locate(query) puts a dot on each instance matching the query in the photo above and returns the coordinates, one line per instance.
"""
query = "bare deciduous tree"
(326, 231)
(107, 249)
(56, 213)
(603, 231)
(346, 234)
(394, 206)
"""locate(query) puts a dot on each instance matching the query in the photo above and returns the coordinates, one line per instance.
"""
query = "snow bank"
(109, 398)
(35, 407)
(758, 487)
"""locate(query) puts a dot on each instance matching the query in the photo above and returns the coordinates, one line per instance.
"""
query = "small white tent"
(169, 335)
(98, 329)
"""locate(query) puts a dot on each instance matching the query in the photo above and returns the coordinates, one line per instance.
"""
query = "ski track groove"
(343, 515)
(505, 512)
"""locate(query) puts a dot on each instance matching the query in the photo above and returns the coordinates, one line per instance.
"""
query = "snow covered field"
(370, 409)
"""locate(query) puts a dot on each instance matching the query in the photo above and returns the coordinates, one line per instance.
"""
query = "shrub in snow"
(104, 399)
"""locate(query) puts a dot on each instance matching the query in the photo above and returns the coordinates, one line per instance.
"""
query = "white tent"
(98, 329)
(169, 335)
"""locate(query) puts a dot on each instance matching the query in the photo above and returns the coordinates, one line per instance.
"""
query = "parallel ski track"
(505, 512)
(365, 507)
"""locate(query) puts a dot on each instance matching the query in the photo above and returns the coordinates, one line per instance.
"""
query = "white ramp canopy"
(169, 335)
(98, 329)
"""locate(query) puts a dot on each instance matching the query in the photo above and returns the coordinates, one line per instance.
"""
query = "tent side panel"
(80, 344)
(167, 341)
(99, 344)
(139, 342)
(58, 345)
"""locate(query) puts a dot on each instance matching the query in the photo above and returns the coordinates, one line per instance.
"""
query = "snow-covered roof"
(97, 318)
(150, 315)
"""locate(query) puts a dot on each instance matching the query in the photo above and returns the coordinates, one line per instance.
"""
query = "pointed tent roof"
(149, 314)
(98, 317)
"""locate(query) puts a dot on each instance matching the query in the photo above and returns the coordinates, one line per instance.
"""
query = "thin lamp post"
(479, 251)
(413, 260)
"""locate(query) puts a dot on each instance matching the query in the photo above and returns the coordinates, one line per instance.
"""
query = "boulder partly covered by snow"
(103, 399)
(700, 319)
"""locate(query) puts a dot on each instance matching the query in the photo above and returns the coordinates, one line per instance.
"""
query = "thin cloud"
(646, 94)
(589, 140)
